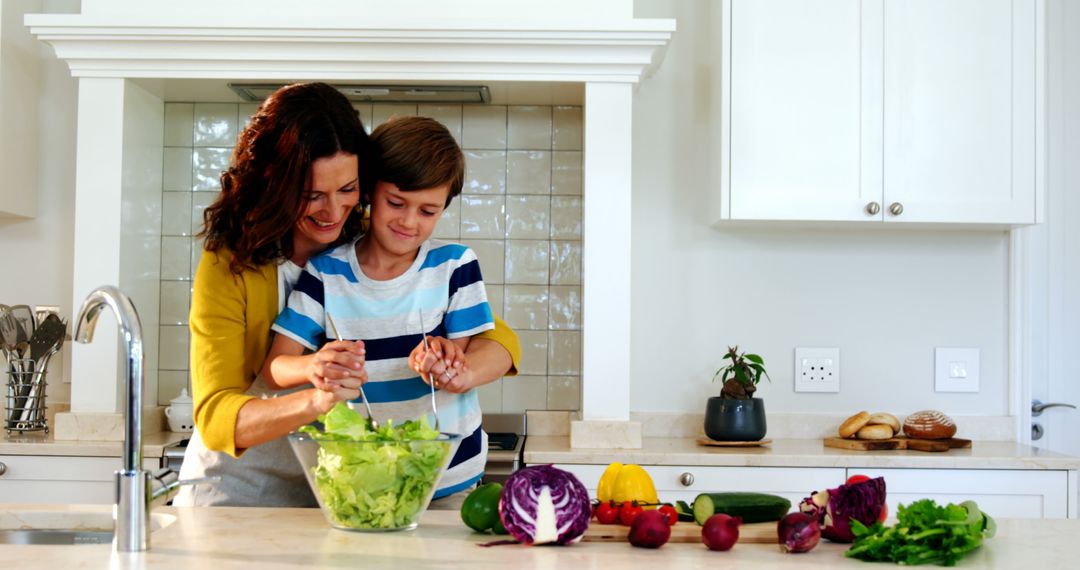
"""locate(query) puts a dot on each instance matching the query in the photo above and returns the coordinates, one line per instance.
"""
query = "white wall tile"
(208, 164)
(483, 216)
(527, 307)
(215, 124)
(449, 225)
(566, 128)
(496, 298)
(566, 217)
(175, 302)
(199, 202)
(564, 392)
(365, 112)
(170, 382)
(564, 353)
(483, 127)
(566, 177)
(485, 172)
(448, 115)
(382, 112)
(566, 263)
(176, 170)
(529, 128)
(175, 257)
(527, 217)
(175, 213)
(521, 393)
(490, 396)
(179, 118)
(528, 172)
(565, 302)
(527, 262)
(492, 257)
(534, 352)
(173, 348)
(244, 112)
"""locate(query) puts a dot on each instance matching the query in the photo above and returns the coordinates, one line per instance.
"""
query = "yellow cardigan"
(230, 337)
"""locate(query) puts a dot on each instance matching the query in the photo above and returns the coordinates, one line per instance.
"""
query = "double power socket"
(817, 369)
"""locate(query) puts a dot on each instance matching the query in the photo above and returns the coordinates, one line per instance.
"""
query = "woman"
(291, 191)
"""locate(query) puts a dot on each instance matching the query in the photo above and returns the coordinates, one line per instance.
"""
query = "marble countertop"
(45, 444)
(224, 538)
(797, 453)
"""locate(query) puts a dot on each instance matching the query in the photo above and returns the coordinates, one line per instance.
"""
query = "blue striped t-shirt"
(444, 283)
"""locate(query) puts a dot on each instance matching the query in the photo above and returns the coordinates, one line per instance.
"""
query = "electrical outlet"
(817, 369)
(956, 369)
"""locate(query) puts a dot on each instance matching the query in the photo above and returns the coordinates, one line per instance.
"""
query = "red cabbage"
(860, 501)
(543, 504)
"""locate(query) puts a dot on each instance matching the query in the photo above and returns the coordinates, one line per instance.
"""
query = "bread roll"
(929, 424)
(885, 418)
(854, 424)
(876, 431)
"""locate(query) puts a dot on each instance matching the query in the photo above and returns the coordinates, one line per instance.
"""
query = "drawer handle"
(3, 469)
(686, 479)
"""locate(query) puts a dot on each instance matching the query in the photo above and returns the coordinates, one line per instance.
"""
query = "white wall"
(886, 298)
(38, 252)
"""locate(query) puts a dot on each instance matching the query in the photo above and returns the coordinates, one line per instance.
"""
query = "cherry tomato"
(670, 514)
(607, 513)
(856, 479)
(628, 512)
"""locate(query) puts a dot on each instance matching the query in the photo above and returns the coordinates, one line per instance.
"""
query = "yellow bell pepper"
(622, 483)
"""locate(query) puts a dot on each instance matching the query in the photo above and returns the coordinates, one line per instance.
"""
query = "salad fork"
(431, 382)
(371, 418)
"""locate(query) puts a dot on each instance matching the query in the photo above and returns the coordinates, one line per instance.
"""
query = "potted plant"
(736, 415)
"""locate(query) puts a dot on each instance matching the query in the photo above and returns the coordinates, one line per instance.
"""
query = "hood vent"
(382, 93)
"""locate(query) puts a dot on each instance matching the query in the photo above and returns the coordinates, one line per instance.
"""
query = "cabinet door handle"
(3, 469)
(873, 208)
(686, 479)
(896, 208)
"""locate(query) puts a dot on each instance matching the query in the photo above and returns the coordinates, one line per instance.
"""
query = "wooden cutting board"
(758, 533)
(937, 445)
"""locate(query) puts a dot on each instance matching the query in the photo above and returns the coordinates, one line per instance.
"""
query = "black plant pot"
(729, 419)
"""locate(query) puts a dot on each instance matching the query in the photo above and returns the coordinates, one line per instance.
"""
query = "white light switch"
(956, 369)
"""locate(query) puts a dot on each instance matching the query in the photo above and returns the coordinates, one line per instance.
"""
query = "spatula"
(48, 338)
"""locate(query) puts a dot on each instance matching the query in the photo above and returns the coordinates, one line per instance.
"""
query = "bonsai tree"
(741, 375)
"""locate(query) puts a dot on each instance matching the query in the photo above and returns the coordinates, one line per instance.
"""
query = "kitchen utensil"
(180, 413)
(897, 443)
(47, 340)
(431, 382)
(334, 330)
(24, 316)
(9, 332)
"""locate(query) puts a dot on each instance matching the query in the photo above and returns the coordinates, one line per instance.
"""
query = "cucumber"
(752, 507)
(686, 514)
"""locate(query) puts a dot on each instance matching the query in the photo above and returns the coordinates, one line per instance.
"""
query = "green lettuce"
(379, 485)
(925, 533)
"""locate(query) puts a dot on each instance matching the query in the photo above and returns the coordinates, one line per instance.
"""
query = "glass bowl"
(373, 485)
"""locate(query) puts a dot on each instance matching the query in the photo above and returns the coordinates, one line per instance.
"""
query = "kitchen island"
(300, 538)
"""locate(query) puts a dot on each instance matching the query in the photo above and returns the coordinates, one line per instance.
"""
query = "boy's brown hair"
(418, 153)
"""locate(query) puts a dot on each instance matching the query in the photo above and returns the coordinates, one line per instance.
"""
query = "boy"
(376, 288)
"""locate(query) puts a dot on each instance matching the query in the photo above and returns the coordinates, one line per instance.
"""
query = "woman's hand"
(337, 365)
(444, 364)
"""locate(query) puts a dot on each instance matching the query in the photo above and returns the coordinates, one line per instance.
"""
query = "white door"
(959, 140)
(805, 109)
(1052, 292)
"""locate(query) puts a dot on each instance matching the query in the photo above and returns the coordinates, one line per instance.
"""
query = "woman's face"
(333, 195)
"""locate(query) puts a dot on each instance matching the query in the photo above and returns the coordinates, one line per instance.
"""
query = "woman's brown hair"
(263, 193)
(417, 153)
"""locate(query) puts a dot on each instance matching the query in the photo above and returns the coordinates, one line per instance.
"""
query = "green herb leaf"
(925, 533)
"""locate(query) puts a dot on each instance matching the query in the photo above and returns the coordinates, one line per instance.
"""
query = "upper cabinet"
(19, 92)
(870, 110)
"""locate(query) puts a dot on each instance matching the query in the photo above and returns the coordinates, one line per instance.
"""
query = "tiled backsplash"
(520, 210)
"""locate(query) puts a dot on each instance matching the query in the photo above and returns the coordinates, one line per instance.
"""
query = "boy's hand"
(338, 364)
(445, 365)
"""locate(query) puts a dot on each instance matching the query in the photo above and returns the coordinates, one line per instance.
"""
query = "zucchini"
(686, 514)
(751, 507)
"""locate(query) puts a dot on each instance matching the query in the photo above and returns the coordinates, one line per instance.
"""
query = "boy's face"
(401, 221)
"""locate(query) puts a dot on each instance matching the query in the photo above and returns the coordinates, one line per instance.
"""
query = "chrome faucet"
(132, 513)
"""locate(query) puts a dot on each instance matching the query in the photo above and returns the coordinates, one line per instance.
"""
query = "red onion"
(720, 532)
(798, 532)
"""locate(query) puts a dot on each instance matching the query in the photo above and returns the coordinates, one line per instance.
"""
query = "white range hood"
(122, 51)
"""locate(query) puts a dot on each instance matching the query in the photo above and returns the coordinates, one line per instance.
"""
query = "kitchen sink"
(42, 526)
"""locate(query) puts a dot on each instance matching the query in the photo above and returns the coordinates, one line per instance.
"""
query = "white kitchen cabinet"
(20, 77)
(893, 111)
(1004, 493)
(61, 479)
(672, 483)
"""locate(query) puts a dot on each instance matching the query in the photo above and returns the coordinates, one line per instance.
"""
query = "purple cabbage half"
(835, 508)
(545, 505)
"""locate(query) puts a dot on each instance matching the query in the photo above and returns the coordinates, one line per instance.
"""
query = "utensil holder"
(25, 397)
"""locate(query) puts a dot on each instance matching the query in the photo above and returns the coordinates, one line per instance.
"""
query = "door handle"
(1037, 407)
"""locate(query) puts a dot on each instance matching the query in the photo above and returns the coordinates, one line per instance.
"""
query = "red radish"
(798, 532)
(720, 532)
(650, 529)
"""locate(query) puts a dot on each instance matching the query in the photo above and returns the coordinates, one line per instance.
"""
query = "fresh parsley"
(925, 533)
